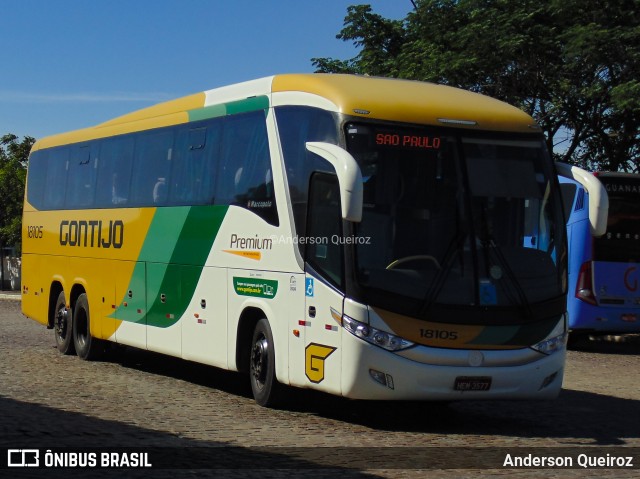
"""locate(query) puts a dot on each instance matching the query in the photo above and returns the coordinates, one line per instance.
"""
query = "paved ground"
(138, 399)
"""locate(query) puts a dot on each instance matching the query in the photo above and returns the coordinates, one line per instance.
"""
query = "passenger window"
(151, 169)
(57, 165)
(37, 178)
(245, 177)
(195, 165)
(114, 172)
(81, 178)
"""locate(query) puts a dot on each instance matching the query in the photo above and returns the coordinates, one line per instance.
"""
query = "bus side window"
(297, 125)
(81, 178)
(195, 166)
(245, 178)
(57, 165)
(37, 178)
(114, 172)
(151, 168)
(324, 226)
(568, 191)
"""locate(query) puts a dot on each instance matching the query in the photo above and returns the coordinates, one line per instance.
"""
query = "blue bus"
(604, 269)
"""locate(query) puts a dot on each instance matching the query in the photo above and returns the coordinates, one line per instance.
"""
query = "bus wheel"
(265, 386)
(62, 326)
(86, 346)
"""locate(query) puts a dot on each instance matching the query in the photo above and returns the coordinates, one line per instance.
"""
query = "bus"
(369, 238)
(604, 297)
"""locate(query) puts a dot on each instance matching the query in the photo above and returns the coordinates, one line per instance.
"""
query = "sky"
(70, 64)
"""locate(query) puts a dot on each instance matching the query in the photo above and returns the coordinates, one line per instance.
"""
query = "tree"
(573, 65)
(14, 155)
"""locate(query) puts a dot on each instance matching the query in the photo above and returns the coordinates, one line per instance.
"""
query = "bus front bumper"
(370, 372)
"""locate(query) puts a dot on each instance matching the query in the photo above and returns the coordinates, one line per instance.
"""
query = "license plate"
(472, 383)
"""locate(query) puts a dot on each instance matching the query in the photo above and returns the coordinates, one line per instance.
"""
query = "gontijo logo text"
(92, 233)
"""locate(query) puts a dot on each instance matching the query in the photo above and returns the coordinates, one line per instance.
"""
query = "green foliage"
(14, 155)
(572, 64)
(380, 41)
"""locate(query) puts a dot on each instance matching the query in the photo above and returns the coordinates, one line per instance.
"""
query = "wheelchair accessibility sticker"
(308, 287)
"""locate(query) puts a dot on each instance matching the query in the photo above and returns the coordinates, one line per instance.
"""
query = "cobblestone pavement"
(137, 399)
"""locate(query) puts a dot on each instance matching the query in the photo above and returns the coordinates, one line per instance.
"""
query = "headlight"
(556, 340)
(551, 345)
(385, 340)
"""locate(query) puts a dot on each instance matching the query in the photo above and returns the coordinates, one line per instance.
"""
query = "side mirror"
(598, 197)
(349, 177)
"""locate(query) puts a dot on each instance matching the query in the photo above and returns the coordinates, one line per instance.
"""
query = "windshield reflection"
(457, 221)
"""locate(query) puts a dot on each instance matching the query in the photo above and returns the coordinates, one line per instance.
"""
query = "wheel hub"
(61, 321)
(259, 357)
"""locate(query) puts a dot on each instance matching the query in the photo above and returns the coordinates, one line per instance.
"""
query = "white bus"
(370, 238)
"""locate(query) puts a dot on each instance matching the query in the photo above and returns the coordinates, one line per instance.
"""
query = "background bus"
(603, 270)
(366, 237)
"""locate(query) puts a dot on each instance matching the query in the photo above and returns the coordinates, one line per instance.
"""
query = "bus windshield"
(456, 219)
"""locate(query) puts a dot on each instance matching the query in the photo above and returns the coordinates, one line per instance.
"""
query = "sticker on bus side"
(261, 288)
(308, 287)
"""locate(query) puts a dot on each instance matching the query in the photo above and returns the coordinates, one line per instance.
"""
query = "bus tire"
(87, 347)
(63, 326)
(262, 367)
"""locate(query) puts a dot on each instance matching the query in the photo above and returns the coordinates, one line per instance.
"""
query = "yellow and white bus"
(366, 237)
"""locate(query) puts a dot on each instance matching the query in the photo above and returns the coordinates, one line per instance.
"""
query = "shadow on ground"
(580, 417)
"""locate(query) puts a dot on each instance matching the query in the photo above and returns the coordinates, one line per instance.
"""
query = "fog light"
(382, 378)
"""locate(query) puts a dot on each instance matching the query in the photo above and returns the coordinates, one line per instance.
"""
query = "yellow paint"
(407, 101)
(164, 114)
(256, 255)
(315, 357)
(336, 316)
(101, 271)
(417, 330)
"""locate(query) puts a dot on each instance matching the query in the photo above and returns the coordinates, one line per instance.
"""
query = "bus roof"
(369, 97)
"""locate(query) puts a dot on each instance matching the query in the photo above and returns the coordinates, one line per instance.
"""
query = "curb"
(11, 296)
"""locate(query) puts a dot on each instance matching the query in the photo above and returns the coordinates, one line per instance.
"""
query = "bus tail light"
(584, 286)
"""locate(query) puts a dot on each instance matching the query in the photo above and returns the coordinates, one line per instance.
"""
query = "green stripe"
(171, 261)
(232, 108)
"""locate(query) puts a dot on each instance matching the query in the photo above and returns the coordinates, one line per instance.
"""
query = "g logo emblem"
(315, 356)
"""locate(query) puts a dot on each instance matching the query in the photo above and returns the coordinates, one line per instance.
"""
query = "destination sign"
(621, 186)
(406, 140)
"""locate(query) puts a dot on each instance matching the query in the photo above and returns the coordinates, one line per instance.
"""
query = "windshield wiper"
(510, 274)
(489, 244)
(457, 245)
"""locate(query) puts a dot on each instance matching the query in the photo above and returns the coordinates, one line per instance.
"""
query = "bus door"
(324, 280)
